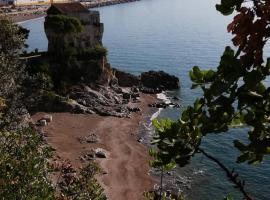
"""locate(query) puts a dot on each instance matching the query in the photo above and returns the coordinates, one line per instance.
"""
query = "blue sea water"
(175, 35)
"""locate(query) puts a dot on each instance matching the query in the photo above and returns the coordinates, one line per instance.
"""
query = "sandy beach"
(23, 18)
(127, 164)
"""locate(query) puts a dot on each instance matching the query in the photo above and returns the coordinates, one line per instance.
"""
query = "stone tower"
(92, 28)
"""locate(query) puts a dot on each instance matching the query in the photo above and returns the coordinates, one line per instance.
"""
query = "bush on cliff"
(63, 24)
(97, 52)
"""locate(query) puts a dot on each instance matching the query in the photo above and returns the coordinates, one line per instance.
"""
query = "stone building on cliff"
(75, 43)
(90, 36)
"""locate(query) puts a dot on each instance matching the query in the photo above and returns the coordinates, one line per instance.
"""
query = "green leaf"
(209, 75)
(252, 78)
(229, 197)
(155, 141)
(197, 105)
(197, 73)
(170, 166)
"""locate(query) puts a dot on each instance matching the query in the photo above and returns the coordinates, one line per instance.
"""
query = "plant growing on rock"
(63, 24)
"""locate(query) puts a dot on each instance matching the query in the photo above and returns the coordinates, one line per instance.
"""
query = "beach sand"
(127, 164)
(23, 18)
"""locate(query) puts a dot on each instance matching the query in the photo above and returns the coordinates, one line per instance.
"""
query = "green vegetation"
(23, 164)
(233, 93)
(85, 186)
(25, 158)
(63, 24)
(97, 52)
(163, 196)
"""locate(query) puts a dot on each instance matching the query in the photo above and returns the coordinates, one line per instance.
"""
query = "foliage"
(23, 164)
(38, 66)
(233, 93)
(11, 42)
(11, 37)
(164, 196)
(63, 24)
(24, 156)
(229, 197)
(97, 52)
(11, 70)
(85, 186)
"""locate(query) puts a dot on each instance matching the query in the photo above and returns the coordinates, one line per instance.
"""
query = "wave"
(162, 96)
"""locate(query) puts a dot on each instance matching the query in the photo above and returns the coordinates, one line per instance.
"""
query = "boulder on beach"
(100, 153)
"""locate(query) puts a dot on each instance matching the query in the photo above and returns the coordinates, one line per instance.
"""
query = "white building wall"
(37, 2)
(30, 2)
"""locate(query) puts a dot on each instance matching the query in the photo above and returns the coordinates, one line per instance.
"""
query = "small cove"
(175, 35)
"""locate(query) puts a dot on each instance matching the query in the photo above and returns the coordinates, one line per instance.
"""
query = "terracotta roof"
(69, 7)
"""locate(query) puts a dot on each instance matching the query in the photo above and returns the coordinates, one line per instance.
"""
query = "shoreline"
(127, 170)
(21, 17)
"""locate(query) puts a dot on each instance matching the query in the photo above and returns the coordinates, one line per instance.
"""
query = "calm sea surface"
(175, 35)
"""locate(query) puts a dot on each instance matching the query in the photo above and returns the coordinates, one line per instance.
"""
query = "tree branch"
(230, 174)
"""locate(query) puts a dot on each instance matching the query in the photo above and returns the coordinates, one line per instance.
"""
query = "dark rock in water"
(126, 79)
(176, 98)
(150, 90)
(158, 105)
(159, 79)
(164, 105)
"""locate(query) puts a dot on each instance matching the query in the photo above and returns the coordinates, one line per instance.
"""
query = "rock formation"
(159, 79)
(82, 79)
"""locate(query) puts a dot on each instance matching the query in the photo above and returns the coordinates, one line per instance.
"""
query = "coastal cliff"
(78, 76)
(74, 77)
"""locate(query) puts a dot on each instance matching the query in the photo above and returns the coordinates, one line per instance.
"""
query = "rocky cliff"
(76, 72)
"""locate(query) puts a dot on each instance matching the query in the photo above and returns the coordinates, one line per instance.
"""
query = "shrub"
(24, 165)
(38, 66)
(95, 53)
(84, 186)
(63, 24)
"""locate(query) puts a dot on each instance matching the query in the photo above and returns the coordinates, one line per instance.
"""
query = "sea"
(174, 36)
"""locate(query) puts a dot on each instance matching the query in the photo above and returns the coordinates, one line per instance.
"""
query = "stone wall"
(93, 29)
(90, 36)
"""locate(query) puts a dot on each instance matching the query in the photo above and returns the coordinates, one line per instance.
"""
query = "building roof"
(65, 8)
